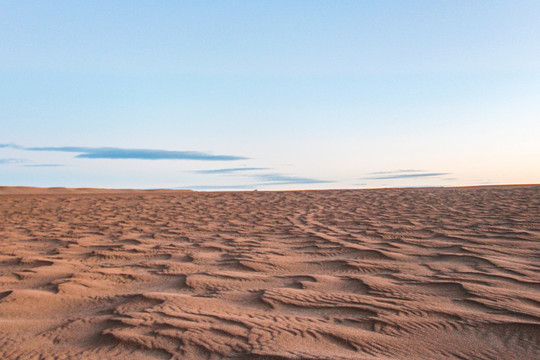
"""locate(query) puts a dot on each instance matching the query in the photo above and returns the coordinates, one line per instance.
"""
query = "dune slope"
(352, 274)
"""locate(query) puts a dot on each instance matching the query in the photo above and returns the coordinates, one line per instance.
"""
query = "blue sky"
(269, 94)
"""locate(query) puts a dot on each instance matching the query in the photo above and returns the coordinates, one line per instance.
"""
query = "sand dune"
(439, 273)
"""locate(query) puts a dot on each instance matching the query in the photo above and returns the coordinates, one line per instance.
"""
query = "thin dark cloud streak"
(44, 165)
(11, 161)
(218, 187)
(11, 145)
(278, 179)
(139, 154)
(394, 172)
(264, 180)
(406, 176)
(228, 171)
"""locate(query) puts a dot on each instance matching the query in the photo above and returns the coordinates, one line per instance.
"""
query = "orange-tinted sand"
(366, 274)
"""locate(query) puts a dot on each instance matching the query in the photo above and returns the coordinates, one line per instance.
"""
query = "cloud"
(218, 187)
(11, 161)
(405, 174)
(261, 180)
(13, 146)
(228, 171)
(394, 172)
(278, 179)
(140, 154)
(44, 165)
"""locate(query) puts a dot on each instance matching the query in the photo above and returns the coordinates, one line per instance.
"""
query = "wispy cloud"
(261, 180)
(11, 161)
(228, 171)
(10, 145)
(218, 187)
(394, 172)
(6, 161)
(403, 174)
(278, 179)
(140, 154)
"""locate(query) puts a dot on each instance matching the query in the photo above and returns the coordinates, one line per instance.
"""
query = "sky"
(242, 95)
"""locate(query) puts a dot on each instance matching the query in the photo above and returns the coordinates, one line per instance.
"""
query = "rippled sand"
(354, 274)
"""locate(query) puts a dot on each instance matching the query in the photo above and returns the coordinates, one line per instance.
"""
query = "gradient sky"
(269, 94)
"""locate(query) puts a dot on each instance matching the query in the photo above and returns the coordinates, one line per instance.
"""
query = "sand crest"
(434, 273)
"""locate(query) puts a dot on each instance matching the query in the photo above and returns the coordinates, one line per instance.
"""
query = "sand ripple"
(372, 274)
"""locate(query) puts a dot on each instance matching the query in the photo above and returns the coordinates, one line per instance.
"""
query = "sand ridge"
(432, 273)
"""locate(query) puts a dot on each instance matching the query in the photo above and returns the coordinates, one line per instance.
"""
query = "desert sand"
(431, 273)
